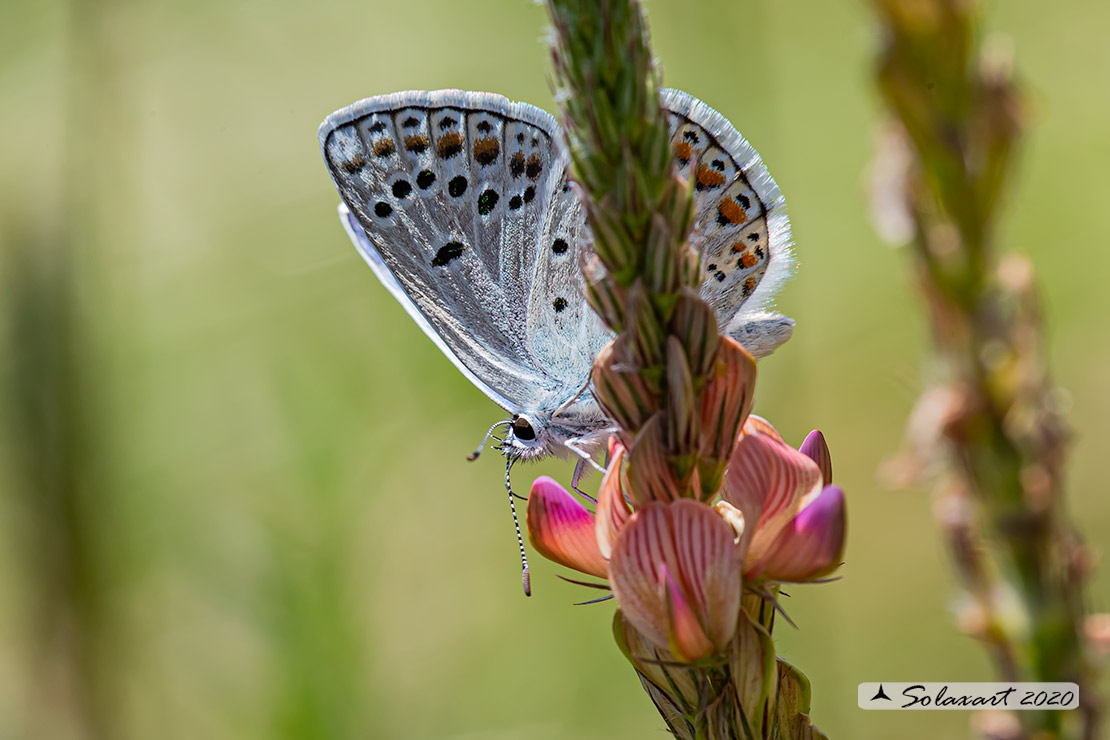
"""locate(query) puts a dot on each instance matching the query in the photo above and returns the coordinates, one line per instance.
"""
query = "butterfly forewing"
(565, 334)
(452, 190)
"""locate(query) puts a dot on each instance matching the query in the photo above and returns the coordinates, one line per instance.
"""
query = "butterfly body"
(460, 202)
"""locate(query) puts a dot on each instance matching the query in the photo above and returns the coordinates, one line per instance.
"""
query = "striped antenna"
(474, 455)
(525, 575)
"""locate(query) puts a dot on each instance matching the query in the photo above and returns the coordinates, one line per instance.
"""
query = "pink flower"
(674, 568)
(794, 519)
(677, 568)
(675, 572)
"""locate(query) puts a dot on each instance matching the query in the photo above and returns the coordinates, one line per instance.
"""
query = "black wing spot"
(446, 253)
(484, 127)
(710, 268)
(401, 189)
(515, 202)
(690, 136)
(559, 304)
(753, 237)
(446, 123)
(720, 277)
(486, 202)
(743, 201)
(529, 194)
(457, 186)
(560, 246)
(382, 209)
(410, 122)
(718, 165)
(377, 128)
(425, 179)
(759, 252)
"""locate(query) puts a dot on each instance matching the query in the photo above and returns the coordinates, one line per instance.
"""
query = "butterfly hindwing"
(740, 222)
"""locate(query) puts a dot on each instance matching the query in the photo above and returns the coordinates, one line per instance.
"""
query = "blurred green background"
(234, 500)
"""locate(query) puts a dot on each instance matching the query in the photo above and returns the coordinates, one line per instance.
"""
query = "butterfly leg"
(579, 470)
(525, 574)
(584, 457)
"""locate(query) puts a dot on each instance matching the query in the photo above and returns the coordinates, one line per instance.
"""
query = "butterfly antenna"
(474, 455)
(525, 574)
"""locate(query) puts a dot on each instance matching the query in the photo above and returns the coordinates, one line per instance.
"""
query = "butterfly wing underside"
(740, 224)
(457, 201)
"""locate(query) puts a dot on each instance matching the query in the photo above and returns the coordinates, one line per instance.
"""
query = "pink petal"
(612, 510)
(562, 529)
(688, 640)
(815, 449)
(699, 553)
(813, 545)
(767, 481)
(759, 425)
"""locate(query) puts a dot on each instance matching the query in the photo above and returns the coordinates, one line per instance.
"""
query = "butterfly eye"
(522, 428)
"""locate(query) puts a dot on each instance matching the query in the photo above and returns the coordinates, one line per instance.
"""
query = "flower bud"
(620, 389)
(650, 474)
(815, 449)
(725, 403)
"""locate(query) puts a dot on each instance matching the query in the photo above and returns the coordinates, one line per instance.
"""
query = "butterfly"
(461, 204)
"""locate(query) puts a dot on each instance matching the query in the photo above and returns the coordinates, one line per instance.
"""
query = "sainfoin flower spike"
(680, 569)
(779, 516)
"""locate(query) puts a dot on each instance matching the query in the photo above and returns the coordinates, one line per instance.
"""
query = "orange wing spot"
(749, 260)
(354, 164)
(486, 150)
(682, 150)
(384, 147)
(709, 177)
(449, 144)
(730, 212)
(416, 143)
(749, 284)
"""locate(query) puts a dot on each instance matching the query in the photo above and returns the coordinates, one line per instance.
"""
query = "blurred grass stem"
(961, 115)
